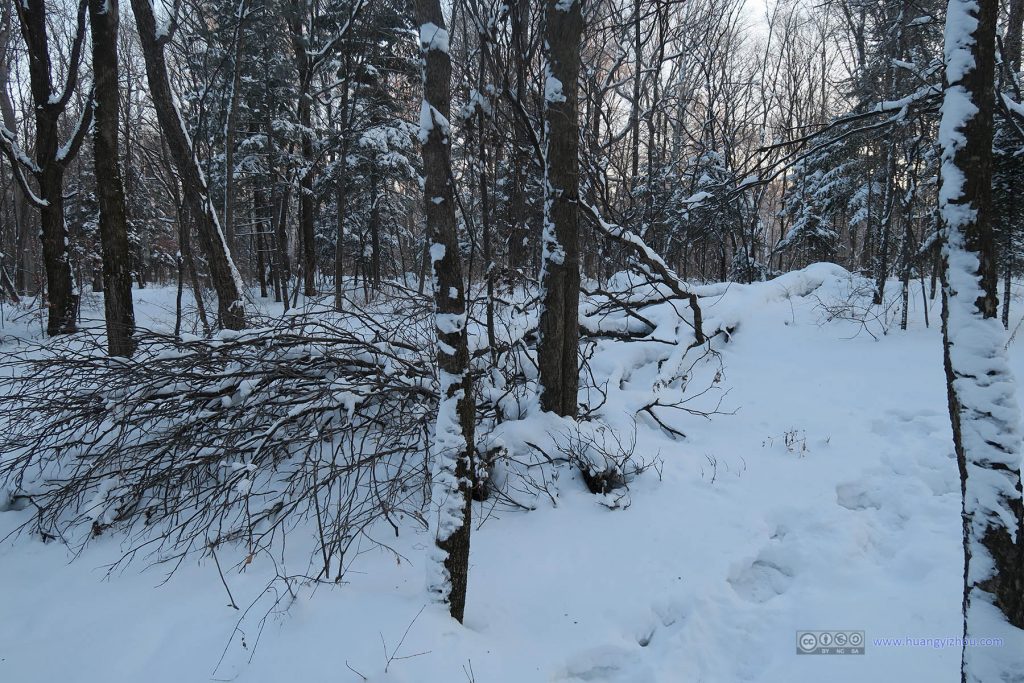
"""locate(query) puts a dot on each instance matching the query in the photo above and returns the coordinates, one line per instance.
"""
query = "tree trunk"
(118, 309)
(50, 104)
(558, 348)
(634, 112)
(341, 197)
(300, 47)
(453, 440)
(519, 232)
(22, 216)
(223, 274)
(374, 225)
(1012, 44)
(282, 261)
(257, 220)
(982, 401)
(229, 131)
(306, 224)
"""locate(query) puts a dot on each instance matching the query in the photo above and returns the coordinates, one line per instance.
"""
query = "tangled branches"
(320, 420)
(194, 443)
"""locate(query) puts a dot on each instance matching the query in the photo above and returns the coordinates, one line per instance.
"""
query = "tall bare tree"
(558, 349)
(226, 280)
(453, 440)
(50, 104)
(119, 311)
(19, 204)
(982, 394)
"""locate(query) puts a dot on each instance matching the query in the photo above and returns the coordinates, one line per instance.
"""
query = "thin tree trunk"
(300, 47)
(229, 130)
(180, 262)
(282, 261)
(1007, 290)
(485, 219)
(634, 114)
(519, 232)
(259, 226)
(22, 215)
(374, 225)
(341, 197)
(453, 439)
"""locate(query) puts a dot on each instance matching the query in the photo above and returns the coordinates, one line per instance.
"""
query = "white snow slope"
(852, 522)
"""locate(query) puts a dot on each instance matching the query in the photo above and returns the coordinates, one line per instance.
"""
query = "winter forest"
(646, 341)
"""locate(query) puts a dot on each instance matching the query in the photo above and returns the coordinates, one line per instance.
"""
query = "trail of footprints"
(917, 464)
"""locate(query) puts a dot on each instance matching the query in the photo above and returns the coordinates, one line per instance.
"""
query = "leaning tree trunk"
(117, 275)
(982, 403)
(560, 270)
(226, 280)
(453, 440)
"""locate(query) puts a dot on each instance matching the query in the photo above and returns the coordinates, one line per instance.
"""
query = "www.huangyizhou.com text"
(937, 643)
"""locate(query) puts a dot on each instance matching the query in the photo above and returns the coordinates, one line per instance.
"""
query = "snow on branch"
(653, 261)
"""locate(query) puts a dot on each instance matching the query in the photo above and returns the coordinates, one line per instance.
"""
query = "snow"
(830, 499)
(429, 116)
(437, 251)
(697, 197)
(553, 90)
(961, 23)
(446, 505)
(433, 37)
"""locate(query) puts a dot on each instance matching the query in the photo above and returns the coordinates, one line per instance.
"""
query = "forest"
(511, 340)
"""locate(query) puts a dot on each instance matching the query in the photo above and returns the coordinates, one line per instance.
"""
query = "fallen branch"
(654, 263)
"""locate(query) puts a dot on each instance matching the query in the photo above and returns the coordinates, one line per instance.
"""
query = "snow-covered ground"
(828, 500)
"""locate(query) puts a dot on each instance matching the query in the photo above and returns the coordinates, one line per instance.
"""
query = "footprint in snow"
(767, 577)
(856, 496)
(762, 581)
(664, 614)
(609, 664)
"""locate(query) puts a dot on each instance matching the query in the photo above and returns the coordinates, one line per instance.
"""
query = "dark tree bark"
(560, 271)
(453, 448)
(223, 274)
(51, 158)
(261, 225)
(229, 129)
(1012, 44)
(374, 226)
(981, 392)
(282, 262)
(7, 289)
(119, 311)
(341, 196)
(304, 66)
(518, 254)
(23, 266)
